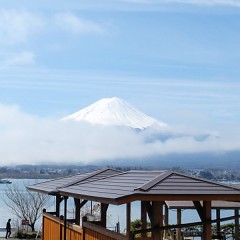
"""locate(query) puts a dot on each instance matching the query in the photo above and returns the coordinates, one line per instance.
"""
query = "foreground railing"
(92, 232)
(53, 229)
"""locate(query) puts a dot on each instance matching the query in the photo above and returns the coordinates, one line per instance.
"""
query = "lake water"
(115, 213)
(5, 212)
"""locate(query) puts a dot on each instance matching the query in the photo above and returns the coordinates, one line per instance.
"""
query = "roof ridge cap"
(89, 176)
(154, 181)
(113, 175)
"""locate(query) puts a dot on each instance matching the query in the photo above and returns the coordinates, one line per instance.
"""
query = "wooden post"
(143, 217)
(84, 219)
(179, 221)
(207, 231)
(199, 209)
(128, 220)
(65, 218)
(236, 211)
(218, 217)
(77, 211)
(104, 208)
(61, 219)
(166, 220)
(157, 220)
(44, 210)
(58, 202)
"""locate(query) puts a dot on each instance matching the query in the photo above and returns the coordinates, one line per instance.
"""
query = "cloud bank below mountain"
(27, 139)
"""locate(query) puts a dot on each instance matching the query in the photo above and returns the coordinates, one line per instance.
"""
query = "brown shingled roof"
(149, 186)
(52, 186)
(112, 186)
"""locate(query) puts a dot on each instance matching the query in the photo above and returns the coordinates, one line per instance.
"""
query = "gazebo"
(154, 189)
(218, 206)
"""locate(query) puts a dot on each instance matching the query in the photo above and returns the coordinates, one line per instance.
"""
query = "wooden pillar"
(57, 207)
(218, 217)
(237, 235)
(144, 217)
(65, 218)
(77, 211)
(179, 221)
(61, 219)
(157, 219)
(104, 208)
(128, 218)
(43, 220)
(84, 219)
(207, 231)
(166, 220)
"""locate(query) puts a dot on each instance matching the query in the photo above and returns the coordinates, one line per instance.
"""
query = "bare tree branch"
(25, 204)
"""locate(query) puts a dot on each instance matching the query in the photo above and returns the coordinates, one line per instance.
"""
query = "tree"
(206, 174)
(136, 225)
(25, 204)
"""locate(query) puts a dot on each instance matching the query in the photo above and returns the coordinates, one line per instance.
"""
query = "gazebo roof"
(117, 187)
(51, 186)
(150, 185)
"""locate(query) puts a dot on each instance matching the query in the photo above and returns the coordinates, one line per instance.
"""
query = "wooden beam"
(60, 226)
(43, 223)
(128, 216)
(58, 202)
(157, 219)
(179, 221)
(166, 214)
(237, 235)
(207, 230)
(144, 217)
(149, 211)
(184, 225)
(78, 205)
(83, 203)
(199, 209)
(65, 219)
(166, 219)
(218, 217)
(77, 211)
(163, 197)
(104, 208)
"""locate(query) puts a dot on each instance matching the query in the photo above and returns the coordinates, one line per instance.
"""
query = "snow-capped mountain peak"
(114, 111)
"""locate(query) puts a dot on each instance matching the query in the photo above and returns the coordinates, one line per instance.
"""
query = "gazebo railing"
(53, 228)
(92, 231)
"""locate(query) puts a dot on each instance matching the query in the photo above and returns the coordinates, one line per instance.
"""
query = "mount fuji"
(115, 112)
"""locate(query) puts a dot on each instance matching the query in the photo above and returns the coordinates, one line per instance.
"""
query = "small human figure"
(8, 229)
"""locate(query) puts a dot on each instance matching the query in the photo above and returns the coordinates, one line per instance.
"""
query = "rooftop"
(112, 186)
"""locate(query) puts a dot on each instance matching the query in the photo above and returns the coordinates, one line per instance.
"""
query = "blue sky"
(175, 60)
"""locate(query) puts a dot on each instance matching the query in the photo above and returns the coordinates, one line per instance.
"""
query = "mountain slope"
(114, 111)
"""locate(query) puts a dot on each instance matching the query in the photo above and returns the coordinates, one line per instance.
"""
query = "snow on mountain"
(114, 111)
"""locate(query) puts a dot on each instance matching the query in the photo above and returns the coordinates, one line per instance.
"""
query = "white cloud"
(17, 59)
(17, 26)
(71, 23)
(21, 58)
(28, 139)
